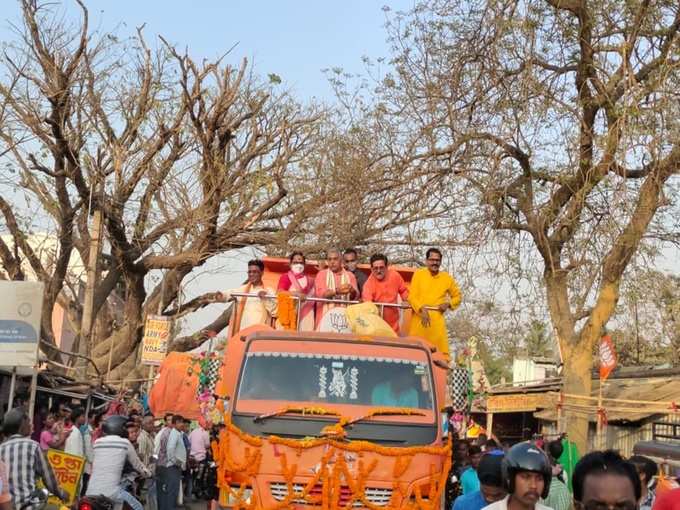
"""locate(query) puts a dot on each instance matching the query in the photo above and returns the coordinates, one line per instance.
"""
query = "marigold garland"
(333, 471)
(287, 311)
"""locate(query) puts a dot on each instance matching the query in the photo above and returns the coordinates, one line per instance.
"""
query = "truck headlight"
(235, 496)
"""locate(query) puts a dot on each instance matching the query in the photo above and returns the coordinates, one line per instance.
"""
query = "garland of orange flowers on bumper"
(332, 468)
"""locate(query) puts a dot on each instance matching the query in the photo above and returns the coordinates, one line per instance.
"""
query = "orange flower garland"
(287, 311)
(332, 470)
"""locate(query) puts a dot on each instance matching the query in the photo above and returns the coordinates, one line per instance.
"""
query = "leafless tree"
(553, 127)
(184, 160)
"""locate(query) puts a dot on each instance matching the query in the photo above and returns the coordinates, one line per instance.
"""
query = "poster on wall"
(20, 312)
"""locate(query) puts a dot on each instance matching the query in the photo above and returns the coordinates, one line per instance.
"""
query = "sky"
(295, 39)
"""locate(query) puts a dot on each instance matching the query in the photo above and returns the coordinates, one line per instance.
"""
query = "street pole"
(599, 442)
(34, 389)
(12, 388)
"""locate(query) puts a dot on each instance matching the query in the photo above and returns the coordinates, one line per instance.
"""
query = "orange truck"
(326, 420)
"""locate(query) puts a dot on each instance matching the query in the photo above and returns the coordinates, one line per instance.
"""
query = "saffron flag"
(607, 357)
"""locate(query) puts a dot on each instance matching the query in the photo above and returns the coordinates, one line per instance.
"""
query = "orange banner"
(607, 357)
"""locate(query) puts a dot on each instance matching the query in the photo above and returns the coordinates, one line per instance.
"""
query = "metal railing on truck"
(299, 301)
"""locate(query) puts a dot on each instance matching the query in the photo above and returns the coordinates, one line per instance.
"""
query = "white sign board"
(20, 311)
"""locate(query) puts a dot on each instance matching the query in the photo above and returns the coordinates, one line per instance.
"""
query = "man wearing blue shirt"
(490, 485)
(469, 481)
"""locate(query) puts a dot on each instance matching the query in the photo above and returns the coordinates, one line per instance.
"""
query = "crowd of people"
(432, 292)
(529, 476)
(135, 459)
(130, 457)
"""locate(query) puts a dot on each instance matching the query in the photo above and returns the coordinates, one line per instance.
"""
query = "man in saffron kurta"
(431, 287)
(333, 283)
(385, 286)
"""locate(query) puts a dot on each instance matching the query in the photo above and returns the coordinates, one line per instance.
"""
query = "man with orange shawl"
(335, 282)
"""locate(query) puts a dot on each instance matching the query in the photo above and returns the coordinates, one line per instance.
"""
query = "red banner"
(607, 357)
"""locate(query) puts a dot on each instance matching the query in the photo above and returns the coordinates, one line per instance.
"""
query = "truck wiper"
(393, 411)
(315, 411)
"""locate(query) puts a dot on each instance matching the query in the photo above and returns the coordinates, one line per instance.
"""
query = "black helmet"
(115, 426)
(526, 457)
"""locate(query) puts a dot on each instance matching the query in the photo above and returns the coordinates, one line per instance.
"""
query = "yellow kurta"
(428, 290)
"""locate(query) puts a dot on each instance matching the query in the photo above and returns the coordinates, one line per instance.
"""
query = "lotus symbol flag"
(607, 356)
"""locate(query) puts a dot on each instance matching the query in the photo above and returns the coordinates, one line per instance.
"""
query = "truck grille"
(374, 495)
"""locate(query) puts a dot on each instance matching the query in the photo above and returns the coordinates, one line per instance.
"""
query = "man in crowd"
(384, 286)
(647, 470)
(145, 448)
(252, 310)
(200, 440)
(25, 461)
(334, 282)
(75, 443)
(469, 481)
(111, 452)
(349, 262)
(559, 497)
(606, 480)
(187, 482)
(432, 288)
(79, 443)
(171, 454)
(491, 487)
(526, 475)
(145, 441)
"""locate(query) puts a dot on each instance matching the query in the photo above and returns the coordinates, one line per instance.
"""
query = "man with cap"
(526, 475)
(491, 488)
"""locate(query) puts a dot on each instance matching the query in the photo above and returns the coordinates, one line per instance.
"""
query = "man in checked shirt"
(25, 461)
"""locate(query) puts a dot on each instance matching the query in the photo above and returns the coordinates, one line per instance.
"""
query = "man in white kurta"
(259, 309)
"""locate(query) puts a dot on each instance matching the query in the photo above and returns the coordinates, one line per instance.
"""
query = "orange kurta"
(386, 291)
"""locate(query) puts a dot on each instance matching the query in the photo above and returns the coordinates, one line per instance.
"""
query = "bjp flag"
(607, 357)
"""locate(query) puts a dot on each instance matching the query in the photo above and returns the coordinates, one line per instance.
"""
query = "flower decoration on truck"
(339, 480)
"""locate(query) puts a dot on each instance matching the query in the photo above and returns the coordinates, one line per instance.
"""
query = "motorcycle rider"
(526, 473)
(111, 451)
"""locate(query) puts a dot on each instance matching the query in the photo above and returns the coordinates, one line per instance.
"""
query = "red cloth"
(668, 501)
(386, 291)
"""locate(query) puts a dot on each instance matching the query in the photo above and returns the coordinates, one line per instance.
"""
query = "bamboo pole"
(625, 401)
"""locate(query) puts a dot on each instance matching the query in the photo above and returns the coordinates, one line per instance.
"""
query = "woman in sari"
(300, 285)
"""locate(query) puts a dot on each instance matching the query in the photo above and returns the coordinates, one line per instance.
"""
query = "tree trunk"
(577, 369)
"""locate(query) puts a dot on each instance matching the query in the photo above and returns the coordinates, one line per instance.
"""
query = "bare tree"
(553, 127)
(184, 160)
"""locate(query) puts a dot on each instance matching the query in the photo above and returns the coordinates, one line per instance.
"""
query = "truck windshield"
(358, 379)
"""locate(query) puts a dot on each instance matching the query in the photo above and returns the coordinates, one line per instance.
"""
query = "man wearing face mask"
(349, 262)
(298, 284)
(432, 293)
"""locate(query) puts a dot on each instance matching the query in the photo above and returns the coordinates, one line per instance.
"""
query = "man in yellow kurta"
(431, 287)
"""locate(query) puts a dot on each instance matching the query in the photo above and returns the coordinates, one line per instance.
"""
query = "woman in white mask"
(299, 284)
